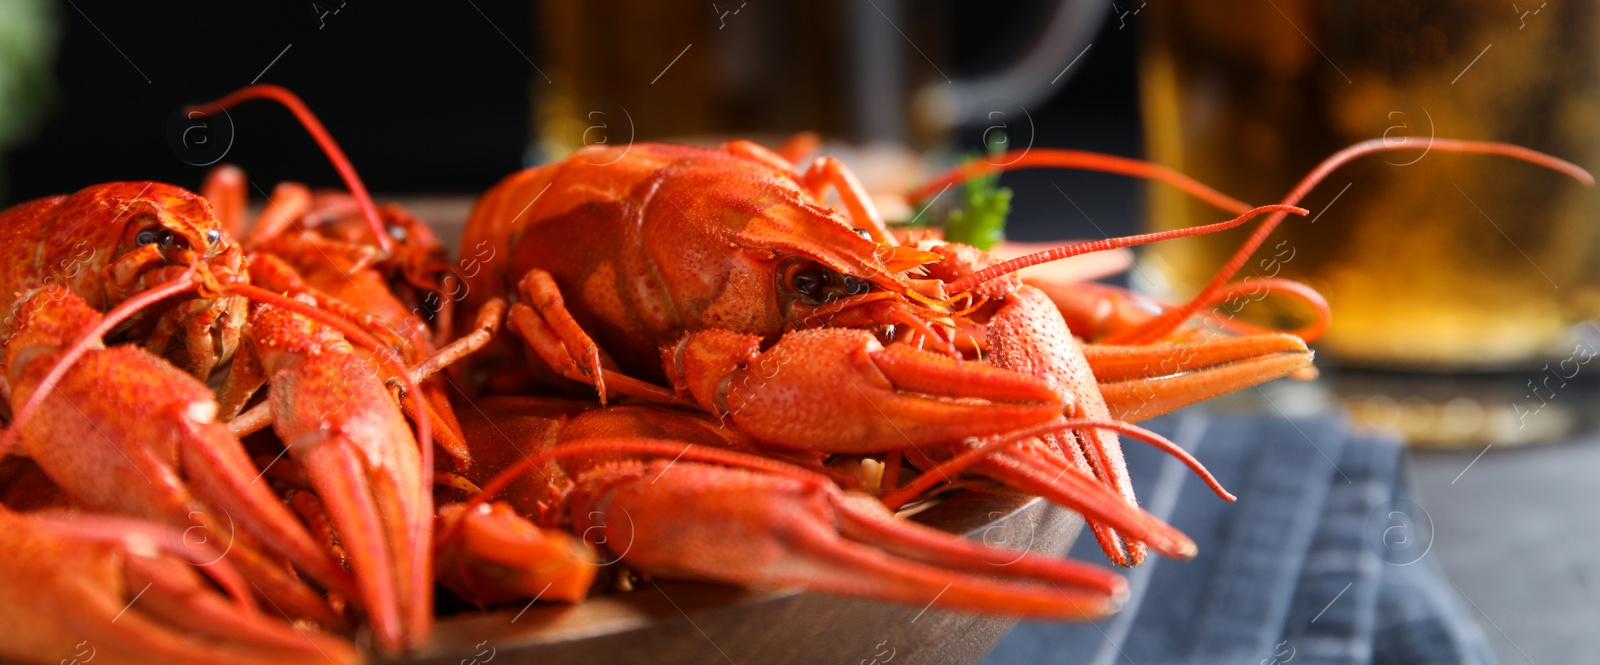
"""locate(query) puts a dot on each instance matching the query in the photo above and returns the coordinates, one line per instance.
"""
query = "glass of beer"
(1432, 262)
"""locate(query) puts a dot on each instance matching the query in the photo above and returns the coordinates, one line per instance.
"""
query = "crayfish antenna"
(975, 454)
(1095, 312)
(966, 283)
(1260, 288)
(324, 140)
(1171, 319)
(1078, 159)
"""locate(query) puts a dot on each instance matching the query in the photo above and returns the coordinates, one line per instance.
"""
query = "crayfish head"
(169, 227)
(157, 235)
(109, 242)
(819, 267)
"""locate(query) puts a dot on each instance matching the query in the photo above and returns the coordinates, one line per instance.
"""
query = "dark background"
(422, 96)
(431, 98)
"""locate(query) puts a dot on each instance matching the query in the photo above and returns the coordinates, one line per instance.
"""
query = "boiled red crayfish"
(721, 279)
(93, 416)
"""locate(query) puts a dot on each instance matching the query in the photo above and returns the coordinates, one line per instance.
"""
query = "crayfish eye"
(213, 236)
(814, 284)
(162, 238)
(865, 234)
(855, 286)
(809, 281)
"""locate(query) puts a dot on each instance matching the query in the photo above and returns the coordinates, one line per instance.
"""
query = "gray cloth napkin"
(1323, 559)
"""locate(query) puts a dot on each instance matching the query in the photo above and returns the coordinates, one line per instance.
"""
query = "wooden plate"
(690, 622)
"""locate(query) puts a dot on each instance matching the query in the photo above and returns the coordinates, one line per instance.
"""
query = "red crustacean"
(707, 270)
(330, 401)
(378, 267)
(781, 340)
(334, 404)
(322, 251)
(720, 278)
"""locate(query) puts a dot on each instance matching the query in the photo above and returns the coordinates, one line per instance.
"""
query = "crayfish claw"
(123, 590)
(751, 528)
(840, 390)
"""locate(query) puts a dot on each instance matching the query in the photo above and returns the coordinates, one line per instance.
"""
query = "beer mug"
(1430, 261)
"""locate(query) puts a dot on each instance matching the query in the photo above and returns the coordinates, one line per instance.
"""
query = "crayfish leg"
(226, 189)
(498, 556)
(544, 322)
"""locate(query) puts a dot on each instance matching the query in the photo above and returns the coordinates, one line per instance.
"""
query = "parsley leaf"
(981, 219)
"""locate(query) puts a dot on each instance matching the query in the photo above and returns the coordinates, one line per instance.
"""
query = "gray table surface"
(1518, 534)
(1515, 528)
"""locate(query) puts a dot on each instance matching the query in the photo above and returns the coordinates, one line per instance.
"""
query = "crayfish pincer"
(122, 431)
(130, 438)
(668, 492)
(125, 432)
(123, 590)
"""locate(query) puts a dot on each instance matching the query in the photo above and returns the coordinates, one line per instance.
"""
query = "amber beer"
(1428, 259)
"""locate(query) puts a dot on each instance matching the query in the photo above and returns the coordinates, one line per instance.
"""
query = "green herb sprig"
(981, 219)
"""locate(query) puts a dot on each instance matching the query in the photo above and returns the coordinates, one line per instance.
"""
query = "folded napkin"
(1323, 559)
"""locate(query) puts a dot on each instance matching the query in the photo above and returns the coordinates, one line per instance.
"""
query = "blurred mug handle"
(1028, 80)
